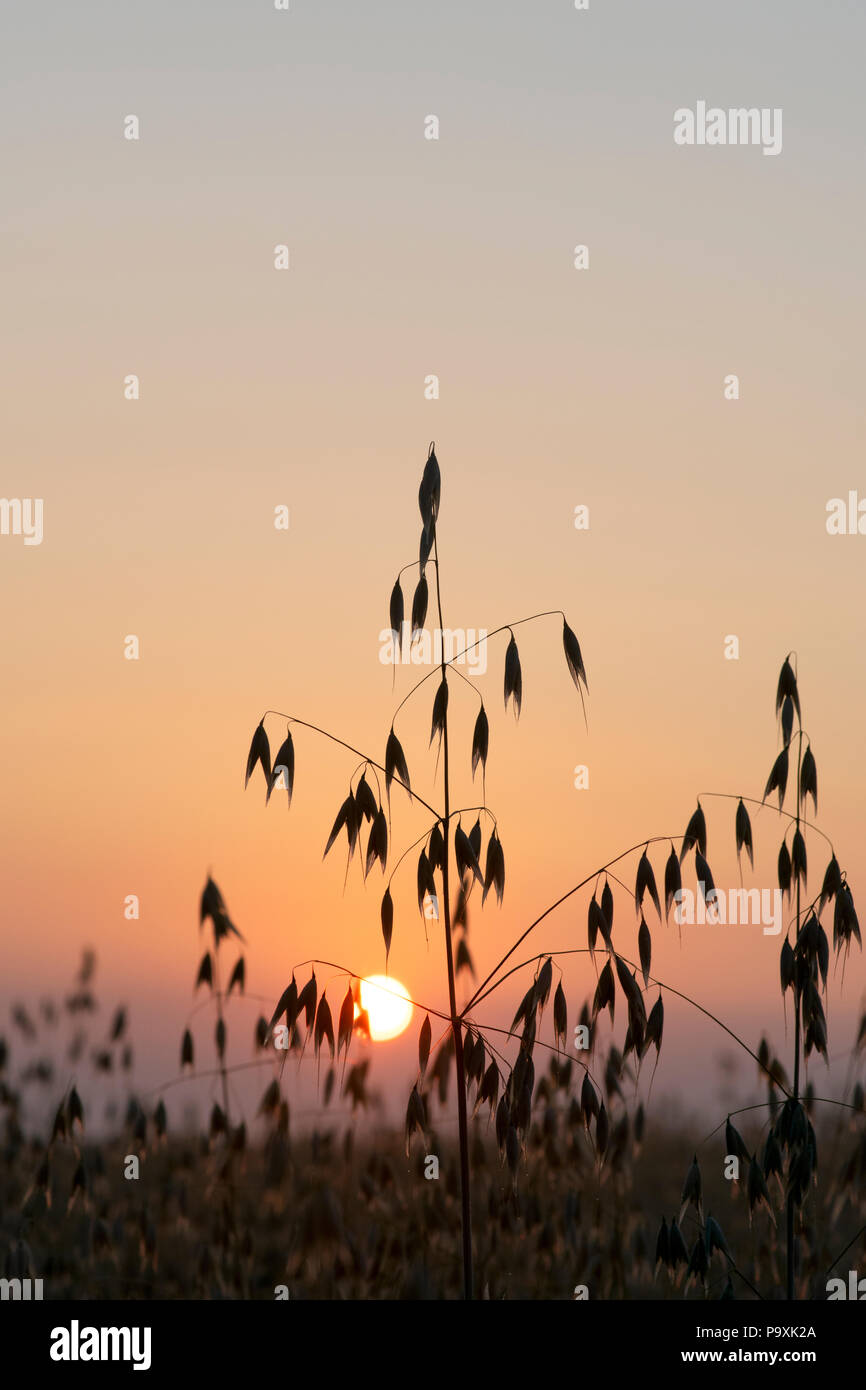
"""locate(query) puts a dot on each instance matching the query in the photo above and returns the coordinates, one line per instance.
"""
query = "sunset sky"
(305, 388)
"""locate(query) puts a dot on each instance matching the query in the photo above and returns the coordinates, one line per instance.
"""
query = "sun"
(386, 1003)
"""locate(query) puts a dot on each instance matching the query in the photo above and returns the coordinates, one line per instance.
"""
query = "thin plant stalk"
(456, 1026)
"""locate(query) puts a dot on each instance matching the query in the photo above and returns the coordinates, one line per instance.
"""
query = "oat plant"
(451, 864)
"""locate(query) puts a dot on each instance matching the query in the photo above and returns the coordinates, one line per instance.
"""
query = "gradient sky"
(305, 388)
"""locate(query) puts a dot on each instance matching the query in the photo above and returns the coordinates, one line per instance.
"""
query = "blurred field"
(333, 1215)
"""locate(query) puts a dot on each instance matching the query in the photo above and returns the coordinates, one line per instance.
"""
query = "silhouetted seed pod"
(692, 1190)
(589, 1103)
(810, 935)
(786, 965)
(607, 906)
(365, 799)
(696, 833)
(480, 742)
(596, 922)
(436, 849)
(186, 1056)
(809, 779)
(816, 1037)
(425, 881)
(419, 605)
(377, 845)
(734, 1142)
(284, 762)
(645, 949)
(845, 924)
(425, 545)
(798, 856)
(573, 658)
(205, 971)
(524, 1072)
(823, 952)
(655, 1025)
(477, 1061)
(429, 491)
(440, 710)
(494, 869)
(544, 982)
(467, 862)
(415, 1116)
(346, 1021)
(288, 1005)
(705, 878)
(560, 1015)
(673, 881)
(637, 1022)
(211, 902)
(787, 718)
(395, 762)
(238, 976)
(787, 687)
(220, 1035)
(832, 883)
(646, 883)
(778, 778)
(743, 829)
(424, 1040)
(513, 677)
(307, 1000)
(525, 1007)
(475, 838)
(345, 817)
(490, 1086)
(260, 752)
(324, 1029)
(605, 994)
(785, 870)
(628, 984)
(396, 612)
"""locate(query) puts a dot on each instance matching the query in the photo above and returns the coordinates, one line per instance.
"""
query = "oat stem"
(456, 1024)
